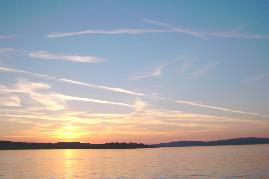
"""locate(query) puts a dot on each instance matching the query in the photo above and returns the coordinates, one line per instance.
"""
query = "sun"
(69, 133)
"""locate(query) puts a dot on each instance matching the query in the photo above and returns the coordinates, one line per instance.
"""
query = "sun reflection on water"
(69, 169)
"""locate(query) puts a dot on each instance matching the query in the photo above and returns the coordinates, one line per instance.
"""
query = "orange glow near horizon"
(68, 133)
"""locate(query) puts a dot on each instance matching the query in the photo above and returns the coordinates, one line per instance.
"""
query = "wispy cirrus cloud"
(187, 66)
(242, 35)
(220, 108)
(6, 50)
(206, 35)
(156, 72)
(73, 58)
(146, 120)
(38, 93)
(9, 100)
(202, 70)
(45, 76)
(118, 90)
(177, 29)
(111, 32)
(7, 37)
(255, 78)
(13, 70)
(53, 56)
(75, 98)
(166, 28)
(43, 94)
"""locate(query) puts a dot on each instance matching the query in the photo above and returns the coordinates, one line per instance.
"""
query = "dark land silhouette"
(235, 141)
(9, 145)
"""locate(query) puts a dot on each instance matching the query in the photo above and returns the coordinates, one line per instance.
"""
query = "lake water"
(249, 161)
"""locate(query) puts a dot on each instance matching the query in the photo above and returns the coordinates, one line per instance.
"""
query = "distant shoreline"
(9, 145)
(234, 141)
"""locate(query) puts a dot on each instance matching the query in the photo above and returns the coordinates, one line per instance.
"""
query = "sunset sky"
(140, 71)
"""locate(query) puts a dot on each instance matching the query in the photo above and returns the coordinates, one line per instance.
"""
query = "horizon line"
(130, 142)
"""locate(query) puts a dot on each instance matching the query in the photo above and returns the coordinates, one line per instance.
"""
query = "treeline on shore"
(9, 145)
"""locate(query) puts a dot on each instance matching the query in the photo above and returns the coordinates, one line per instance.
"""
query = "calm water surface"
(251, 161)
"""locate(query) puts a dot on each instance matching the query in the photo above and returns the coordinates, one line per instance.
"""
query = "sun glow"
(69, 133)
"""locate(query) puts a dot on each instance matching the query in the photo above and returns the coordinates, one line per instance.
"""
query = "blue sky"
(133, 70)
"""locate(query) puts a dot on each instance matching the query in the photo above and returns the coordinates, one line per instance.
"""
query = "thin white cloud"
(74, 98)
(144, 120)
(140, 105)
(6, 37)
(12, 70)
(205, 35)
(119, 90)
(20, 116)
(220, 108)
(242, 35)
(186, 67)
(112, 89)
(255, 78)
(111, 32)
(10, 100)
(167, 28)
(156, 72)
(147, 121)
(41, 93)
(73, 58)
(202, 70)
(176, 29)
(6, 50)
(53, 56)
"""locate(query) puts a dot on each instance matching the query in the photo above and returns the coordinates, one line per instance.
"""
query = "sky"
(141, 71)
